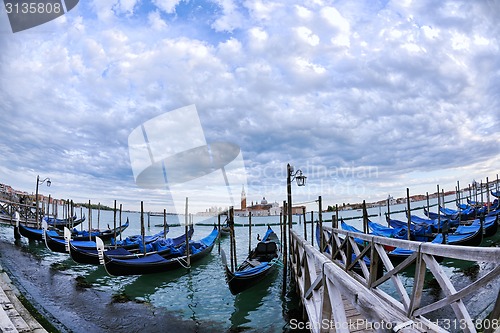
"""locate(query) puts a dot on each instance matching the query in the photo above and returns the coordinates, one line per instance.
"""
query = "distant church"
(262, 209)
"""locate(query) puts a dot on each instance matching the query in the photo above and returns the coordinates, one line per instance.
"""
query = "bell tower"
(243, 199)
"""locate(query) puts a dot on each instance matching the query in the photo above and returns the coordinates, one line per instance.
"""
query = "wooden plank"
(483, 281)
(448, 289)
(394, 278)
(359, 258)
(314, 286)
(418, 285)
(336, 304)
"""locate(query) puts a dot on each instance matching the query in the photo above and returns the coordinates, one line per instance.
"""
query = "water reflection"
(249, 301)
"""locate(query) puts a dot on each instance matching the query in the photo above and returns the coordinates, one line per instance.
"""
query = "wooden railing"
(323, 282)
(27, 213)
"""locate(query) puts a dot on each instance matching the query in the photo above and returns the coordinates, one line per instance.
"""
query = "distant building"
(263, 208)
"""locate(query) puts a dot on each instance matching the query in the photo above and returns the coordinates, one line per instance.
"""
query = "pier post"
(487, 195)
(165, 223)
(312, 228)
(285, 252)
(48, 208)
(388, 212)
(114, 221)
(482, 200)
(186, 228)
(438, 209)
(99, 216)
(305, 222)
(322, 237)
(408, 211)
(142, 228)
(120, 223)
(233, 239)
(218, 226)
(249, 232)
(365, 218)
(231, 235)
(427, 198)
(90, 219)
(72, 208)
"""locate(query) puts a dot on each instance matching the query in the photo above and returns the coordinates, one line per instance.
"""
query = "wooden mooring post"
(408, 212)
(249, 233)
(285, 250)
(305, 222)
(320, 216)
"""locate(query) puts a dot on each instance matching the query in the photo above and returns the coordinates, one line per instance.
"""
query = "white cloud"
(168, 6)
(156, 21)
(395, 86)
(307, 35)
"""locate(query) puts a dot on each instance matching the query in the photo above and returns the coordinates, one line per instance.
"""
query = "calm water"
(201, 295)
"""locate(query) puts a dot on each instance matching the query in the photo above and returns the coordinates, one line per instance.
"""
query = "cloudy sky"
(366, 97)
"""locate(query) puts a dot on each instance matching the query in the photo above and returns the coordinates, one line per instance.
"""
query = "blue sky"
(367, 98)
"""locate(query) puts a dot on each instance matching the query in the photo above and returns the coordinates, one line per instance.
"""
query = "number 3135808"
(33, 8)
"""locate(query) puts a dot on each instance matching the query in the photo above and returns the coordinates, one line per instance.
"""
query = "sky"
(366, 98)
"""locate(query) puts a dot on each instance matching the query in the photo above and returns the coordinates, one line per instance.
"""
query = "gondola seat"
(265, 251)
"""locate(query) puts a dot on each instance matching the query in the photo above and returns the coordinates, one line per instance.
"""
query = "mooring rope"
(180, 262)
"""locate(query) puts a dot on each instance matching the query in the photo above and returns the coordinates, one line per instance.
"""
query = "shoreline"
(69, 307)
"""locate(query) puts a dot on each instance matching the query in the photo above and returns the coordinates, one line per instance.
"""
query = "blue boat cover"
(195, 247)
(254, 270)
(380, 230)
(136, 239)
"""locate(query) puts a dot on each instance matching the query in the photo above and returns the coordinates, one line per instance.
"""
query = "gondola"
(261, 261)
(466, 214)
(418, 232)
(490, 224)
(61, 223)
(105, 234)
(155, 263)
(225, 230)
(162, 246)
(135, 241)
(380, 230)
(35, 233)
(436, 225)
(435, 216)
(58, 244)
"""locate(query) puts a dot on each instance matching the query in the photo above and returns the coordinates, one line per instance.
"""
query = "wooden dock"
(339, 299)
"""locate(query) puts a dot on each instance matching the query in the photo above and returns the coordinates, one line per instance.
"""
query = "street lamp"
(301, 181)
(39, 182)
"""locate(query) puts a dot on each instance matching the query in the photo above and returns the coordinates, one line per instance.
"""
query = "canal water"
(202, 296)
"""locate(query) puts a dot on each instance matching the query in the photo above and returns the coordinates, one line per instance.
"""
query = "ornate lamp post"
(301, 181)
(39, 182)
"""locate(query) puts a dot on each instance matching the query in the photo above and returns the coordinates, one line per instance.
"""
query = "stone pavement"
(14, 317)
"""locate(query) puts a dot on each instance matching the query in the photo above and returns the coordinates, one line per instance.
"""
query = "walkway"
(14, 317)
